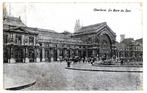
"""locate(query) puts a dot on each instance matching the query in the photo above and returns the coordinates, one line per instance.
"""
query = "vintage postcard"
(73, 46)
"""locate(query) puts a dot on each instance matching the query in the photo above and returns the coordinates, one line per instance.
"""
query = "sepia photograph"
(86, 46)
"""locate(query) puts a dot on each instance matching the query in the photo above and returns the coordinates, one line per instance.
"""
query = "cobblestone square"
(54, 76)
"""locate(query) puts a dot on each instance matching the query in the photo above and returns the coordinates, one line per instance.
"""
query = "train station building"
(28, 44)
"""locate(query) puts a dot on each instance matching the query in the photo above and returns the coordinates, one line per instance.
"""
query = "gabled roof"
(99, 29)
(13, 21)
(91, 28)
(96, 28)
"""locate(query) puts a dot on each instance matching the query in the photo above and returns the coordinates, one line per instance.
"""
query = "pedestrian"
(122, 61)
(89, 59)
(68, 62)
(82, 59)
(104, 57)
(92, 60)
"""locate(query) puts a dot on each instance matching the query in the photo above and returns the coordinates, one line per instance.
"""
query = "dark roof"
(128, 41)
(66, 33)
(21, 30)
(40, 30)
(121, 45)
(52, 36)
(13, 21)
(91, 28)
(50, 33)
(14, 24)
(139, 40)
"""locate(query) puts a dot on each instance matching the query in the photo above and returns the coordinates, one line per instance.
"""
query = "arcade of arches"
(27, 44)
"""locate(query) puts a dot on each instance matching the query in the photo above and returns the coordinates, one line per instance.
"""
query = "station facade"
(27, 44)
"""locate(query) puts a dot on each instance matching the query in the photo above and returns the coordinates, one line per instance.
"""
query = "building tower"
(4, 10)
(77, 26)
(122, 37)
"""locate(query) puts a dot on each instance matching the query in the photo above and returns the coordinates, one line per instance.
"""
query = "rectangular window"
(11, 37)
(18, 39)
(31, 40)
(26, 40)
(5, 38)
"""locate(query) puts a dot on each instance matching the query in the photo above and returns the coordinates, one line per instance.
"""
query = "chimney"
(19, 18)
(122, 37)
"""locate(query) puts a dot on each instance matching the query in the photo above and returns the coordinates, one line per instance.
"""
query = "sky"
(62, 16)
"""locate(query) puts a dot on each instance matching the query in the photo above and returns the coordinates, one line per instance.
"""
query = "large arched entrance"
(105, 45)
(55, 54)
(19, 55)
(47, 55)
(31, 55)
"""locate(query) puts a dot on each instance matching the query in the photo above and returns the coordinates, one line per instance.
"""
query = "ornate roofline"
(90, 28)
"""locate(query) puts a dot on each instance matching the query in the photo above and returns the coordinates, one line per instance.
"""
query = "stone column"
(24, 56)
(13, 41)
(70, 52)
(58, 52)
(52, 55)
(86, 52)
(12, 55)
(22, 40)
(82, 54)
(38, 55)
(27, 55)
(43, 54)
(34, 43)
(94, 52)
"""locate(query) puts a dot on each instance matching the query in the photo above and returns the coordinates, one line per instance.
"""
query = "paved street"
(54, 76)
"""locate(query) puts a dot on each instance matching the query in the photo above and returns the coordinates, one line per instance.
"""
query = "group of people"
(103, 59)
(78, 59)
